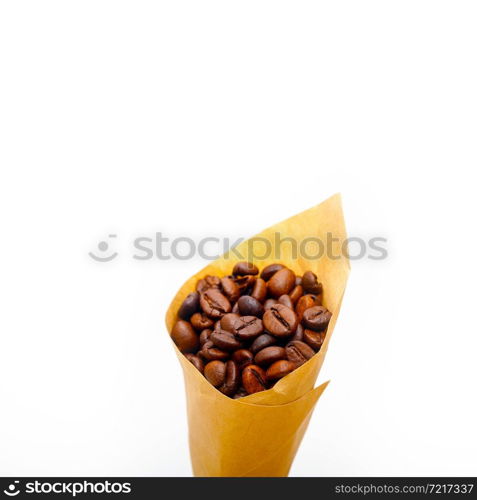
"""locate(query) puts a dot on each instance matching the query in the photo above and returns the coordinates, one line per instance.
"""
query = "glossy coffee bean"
(208, 282)
(314, 339)
(200, 321)
(214, 303)
(296, 293)
(243, 358)
(310, 283)
(184, 336)
(303, 304)
(232, 379)
(262, 341)
(254, 379)
(280, 369)
(281, 283)
(248, 306)
(189, 306)
(259, 290)
(228, 321)
(298, 352)
(280, 320)
(298, 335)
(211, 353)
(316, 318)
(286, 301)
(269, 303)
(248, 327)
(270, 270)
(230, 289)
(245, 284)
(196, 361)
(225, 341)
(215, 373)
(204, 336)
(243, 268)
(269, 355)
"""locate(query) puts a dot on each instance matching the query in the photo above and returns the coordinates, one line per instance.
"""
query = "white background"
(221, 118)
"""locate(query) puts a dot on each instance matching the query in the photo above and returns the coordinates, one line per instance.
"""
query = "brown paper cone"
(259, 435)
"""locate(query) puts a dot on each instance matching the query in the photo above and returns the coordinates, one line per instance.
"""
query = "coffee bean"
(215, 373)
(230, 289)
(262, 341)
(208, 282)
(245, 284)
(316, 318)
(280, 320)
(196, 361)
(235, 309)
(211, 353)
(248, 306)
(259, 291)
(232, 379)
(310, 283)
(214, 303)
(314, 339)
(270, 270)
(204, 336)
(286, 301)
(298, 281)
(243, 358)
(243, 268)
(241, 393)
(269, 355)
(185, 337)
(299, 352)
(227, 322)
(189, 306)
(269, 303)
(254, 379)
(200, 321)
(298, 335)
(303, 304)
(281, 283)
(248, 327)
(280, 369)
(225, 341)
(296, 293)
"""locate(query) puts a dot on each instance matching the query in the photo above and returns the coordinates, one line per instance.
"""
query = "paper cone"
(259, 435)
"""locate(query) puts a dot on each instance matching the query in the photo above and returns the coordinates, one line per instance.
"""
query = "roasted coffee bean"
(184, 336)
(279, 369)
(200, 321)
(269, 303)
(227, 322)
(230, 289)
(232, 379)
(215, 373)
(259, 291)
(303, 304)
(316, 318)
(196, 361)
(245, 283)
(280, 320)
(214, 303)
(243, 358)
(210, 352)
(243, 268)
(189, 306)
(235, 309)
(254, 379)
(298, 281)
(241, 393)
(225, 341)
(296, 293)
(310, 283)
(204, 336)
(314, 339)
(298, 352)
(281, 283)
(208, 282)
(270, 270)
(248, 306)
(269, 355)
(248, 327)
(298, 335)
(262, 341)
(286, 301)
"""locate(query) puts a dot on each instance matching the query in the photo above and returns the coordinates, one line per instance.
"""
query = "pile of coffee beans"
(244, 332)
